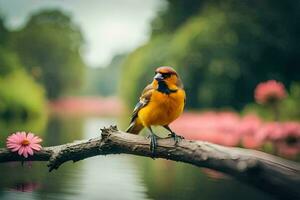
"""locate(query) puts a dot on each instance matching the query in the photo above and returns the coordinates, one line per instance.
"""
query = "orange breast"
(162, 108)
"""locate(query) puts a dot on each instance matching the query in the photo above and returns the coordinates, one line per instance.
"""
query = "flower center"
(25, 142)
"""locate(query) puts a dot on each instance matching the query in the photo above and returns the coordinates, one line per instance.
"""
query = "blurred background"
(68, 68)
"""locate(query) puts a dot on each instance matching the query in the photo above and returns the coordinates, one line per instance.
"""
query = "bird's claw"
(153, 142)
(176, 137)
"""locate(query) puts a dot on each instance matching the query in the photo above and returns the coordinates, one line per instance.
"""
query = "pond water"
(113, 176)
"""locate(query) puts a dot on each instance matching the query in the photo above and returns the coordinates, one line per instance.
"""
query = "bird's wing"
(144, 100)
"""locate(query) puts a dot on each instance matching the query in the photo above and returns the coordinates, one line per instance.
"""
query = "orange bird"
(161, 102)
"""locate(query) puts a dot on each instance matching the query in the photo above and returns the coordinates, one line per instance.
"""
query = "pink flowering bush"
(231, 129)
(24, 144)
(269, 92)
(284, 136)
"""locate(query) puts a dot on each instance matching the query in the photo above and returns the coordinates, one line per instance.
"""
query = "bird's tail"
(134, 128)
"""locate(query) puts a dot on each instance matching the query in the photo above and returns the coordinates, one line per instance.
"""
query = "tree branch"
(266, 172)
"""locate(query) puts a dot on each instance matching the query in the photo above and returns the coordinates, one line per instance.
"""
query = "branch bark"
(269, 173)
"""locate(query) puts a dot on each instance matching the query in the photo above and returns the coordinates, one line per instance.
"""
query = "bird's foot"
(153, 142)
(176, 137)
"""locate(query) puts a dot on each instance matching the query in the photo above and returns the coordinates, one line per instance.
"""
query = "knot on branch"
(105, 132)
(55, 160)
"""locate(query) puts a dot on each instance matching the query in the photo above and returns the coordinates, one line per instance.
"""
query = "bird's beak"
(158, 77)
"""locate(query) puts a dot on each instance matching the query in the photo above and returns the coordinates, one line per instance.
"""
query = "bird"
(161, 102)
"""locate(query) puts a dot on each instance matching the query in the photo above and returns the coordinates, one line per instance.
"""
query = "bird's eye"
(166, 75)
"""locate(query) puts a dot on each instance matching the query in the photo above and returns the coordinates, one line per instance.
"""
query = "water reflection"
(114, 176)
(63, 130)
(169, 180)
(26, 187)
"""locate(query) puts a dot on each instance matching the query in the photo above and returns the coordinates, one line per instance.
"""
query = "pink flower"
(24, 144)
(269, 92)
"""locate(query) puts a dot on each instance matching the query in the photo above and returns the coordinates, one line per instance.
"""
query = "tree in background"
(222, 49)
(20, 96)
(103, 81)
(49, 48)
(3, 32)
(176, 14)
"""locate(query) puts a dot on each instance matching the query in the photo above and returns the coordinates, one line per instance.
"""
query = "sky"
(109, 27)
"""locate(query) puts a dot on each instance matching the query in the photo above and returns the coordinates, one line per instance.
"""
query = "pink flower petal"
(36, 139)
(25, 153)
(20, 138)
(20, 152)
(16, 148)
(36, 147)
(30, 151)
(11, 146)
(12, 138)
(30, 136)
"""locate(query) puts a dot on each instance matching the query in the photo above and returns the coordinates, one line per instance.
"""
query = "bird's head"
(167, 75)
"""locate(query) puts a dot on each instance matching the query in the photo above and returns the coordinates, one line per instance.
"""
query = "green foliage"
(290, 105)
(35, 125)
(138, 68)
(20, 97)
(177, 13)
(49, 47)
(201, 49)
(3, 32)
(222, 50)
(9, 62)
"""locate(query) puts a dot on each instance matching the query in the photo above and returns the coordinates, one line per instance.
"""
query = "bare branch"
(266, 172)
